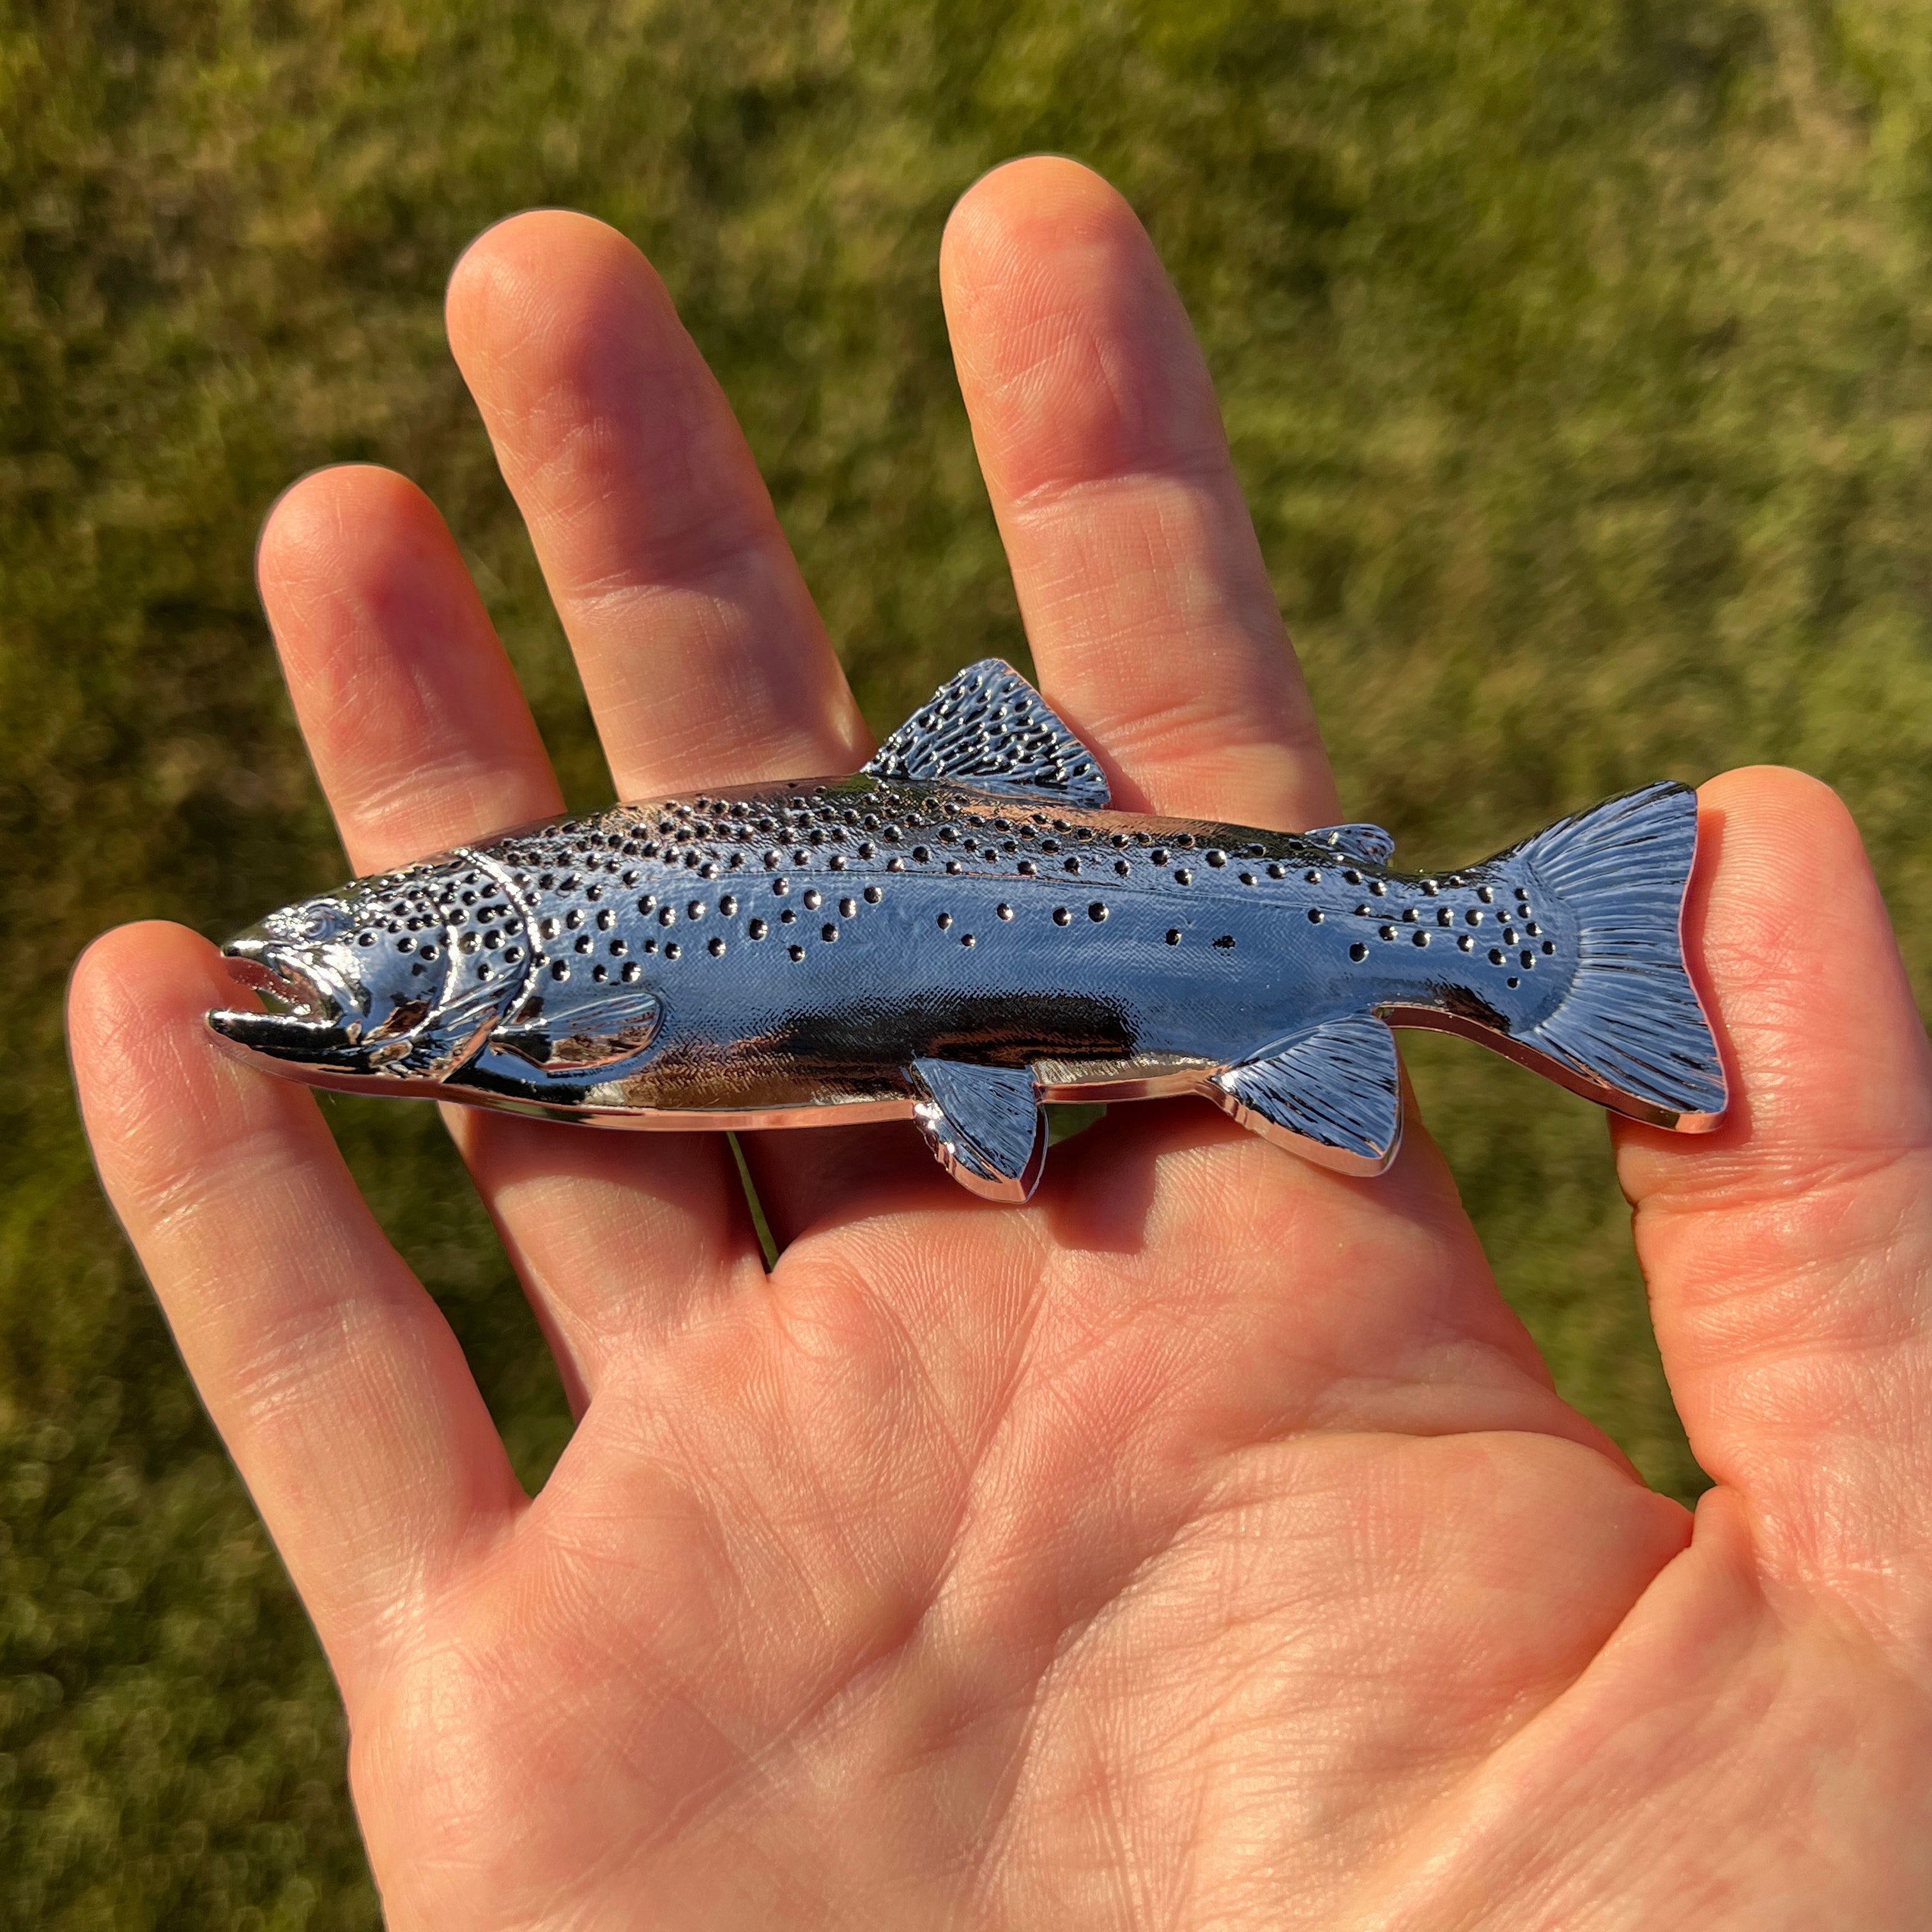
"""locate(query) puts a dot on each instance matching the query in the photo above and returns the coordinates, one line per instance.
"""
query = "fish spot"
(573, 918)
(1467, 944)
(1315, 915)
(559, 969)
(848, 908)
(715, 947)
(1486, 894)
(1548, 946)
(1385, 932)
(1421, 938)
(1248, 879)
(695, 909)
(650, 945)
(1358, 951)
(1121, 866)
(796, 952)
(1226, 941)
(872, 895)
(606, 920)
(967, 939)
(369, 939)
(1495, 955)
(671, 948)
(597, 973)
(1159, 855)
(583, 942)
(1026, 869)
(921, 853)
(1003, 910)
(945, 921)
(1096, 912)
(1183, 876)
(633, 972)
(1174, 935)
(756, 929)
(787, 917)
(1512, 981)
(1473, 916)
(1061, 916)
(1217, 858)
(483, 970)
(727, 905)
(1526, 957)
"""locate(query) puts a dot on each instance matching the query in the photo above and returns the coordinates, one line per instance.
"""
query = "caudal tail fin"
(1629, 1029)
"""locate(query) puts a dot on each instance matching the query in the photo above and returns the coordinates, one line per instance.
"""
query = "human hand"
(1203, 1543)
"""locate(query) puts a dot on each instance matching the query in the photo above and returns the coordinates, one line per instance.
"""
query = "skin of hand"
(1204, 1544)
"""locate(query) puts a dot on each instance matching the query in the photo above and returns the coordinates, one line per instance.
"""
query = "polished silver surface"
(965, 929)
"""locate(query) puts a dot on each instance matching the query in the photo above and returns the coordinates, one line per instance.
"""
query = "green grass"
(1576, 356)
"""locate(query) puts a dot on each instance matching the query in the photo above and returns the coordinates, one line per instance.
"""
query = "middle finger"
(702, 656)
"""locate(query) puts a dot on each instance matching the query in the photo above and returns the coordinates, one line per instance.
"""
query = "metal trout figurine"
(964, 930)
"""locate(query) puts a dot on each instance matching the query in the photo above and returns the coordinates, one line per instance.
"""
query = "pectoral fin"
(984, 1126)
(1332, 1094)
(589, 1034)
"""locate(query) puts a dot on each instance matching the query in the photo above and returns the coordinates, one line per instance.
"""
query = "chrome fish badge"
(964, 930)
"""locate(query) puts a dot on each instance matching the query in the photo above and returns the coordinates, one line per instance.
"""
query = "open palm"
(1202, 1544)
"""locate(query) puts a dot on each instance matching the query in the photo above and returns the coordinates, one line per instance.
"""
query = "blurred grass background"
(1576, 356)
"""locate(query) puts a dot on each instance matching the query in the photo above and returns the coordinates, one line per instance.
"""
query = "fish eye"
(322, 920)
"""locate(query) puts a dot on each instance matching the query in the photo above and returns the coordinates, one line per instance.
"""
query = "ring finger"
(423, 741)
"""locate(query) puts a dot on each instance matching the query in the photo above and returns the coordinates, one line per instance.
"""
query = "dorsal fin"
(988, 727)
(1367, 845)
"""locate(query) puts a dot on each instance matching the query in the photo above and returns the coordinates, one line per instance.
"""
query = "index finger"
(1146, 600)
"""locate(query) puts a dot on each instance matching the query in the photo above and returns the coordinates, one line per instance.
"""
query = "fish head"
(397, 977)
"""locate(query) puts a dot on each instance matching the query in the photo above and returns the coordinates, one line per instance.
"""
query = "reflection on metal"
(964, 929)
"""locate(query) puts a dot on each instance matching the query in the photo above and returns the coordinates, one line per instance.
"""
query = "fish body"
(965, 929)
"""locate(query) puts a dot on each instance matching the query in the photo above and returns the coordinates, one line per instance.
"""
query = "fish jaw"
(393, 981)
(317, 1022)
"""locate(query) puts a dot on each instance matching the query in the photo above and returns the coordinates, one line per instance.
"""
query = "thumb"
(1790, 1254)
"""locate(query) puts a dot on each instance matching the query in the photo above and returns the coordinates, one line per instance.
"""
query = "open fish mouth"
(310, 1012)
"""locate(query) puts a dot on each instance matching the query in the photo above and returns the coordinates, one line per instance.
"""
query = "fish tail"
(1630, 1030)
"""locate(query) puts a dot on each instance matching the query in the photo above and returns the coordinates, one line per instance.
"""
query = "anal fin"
(984, 1124)
(1332, 1094)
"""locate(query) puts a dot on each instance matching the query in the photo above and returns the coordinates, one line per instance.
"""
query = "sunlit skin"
(1201, 1545)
